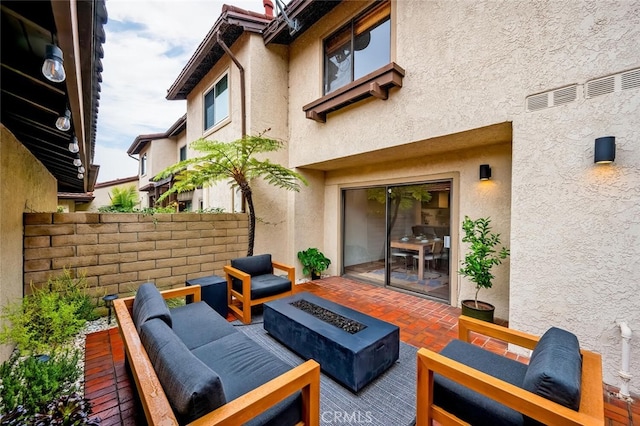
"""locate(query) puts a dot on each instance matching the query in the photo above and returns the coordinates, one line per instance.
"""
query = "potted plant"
(477, 264)
(313, 262)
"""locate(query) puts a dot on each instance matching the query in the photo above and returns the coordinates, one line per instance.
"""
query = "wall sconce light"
(73, 145)
(108, 301)
(64, 121)
(77, 162)
(52, 67)
(485, 172)
(605, 150)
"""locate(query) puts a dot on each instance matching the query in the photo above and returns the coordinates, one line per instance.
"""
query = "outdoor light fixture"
(108, 301)
(485, 172)
(605, 150)
(64, 121)
(52, 68)
(73, 145)
(77, 162)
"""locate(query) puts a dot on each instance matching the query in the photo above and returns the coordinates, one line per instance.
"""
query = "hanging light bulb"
(80, 175)
(73, 145)
(64, 121)
(52, 68)
(81, 169)
(77, 162)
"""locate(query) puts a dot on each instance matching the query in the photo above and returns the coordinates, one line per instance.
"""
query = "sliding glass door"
(399, 236)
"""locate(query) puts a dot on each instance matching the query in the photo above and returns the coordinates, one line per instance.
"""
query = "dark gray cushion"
(471, 406)
(254, 265)
(555, 368)
(197, 324)
(243, 365)
(192, 388)
(149, 304)
(264, 286)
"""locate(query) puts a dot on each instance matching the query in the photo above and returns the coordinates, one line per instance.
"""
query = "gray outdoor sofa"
(191, 365)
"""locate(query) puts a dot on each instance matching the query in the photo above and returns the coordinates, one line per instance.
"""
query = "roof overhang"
(141, 141)
(31, 103)
(231, 24)
(307, 12)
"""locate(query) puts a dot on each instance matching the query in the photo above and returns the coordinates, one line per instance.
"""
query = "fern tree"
(236, 163)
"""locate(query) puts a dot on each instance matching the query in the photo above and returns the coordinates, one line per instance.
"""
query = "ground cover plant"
(39, 383)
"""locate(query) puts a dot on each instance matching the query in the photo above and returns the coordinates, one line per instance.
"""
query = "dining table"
(414, 244)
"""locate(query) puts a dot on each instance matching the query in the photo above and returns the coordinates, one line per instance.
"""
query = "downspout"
(625, 374)
(242, 83)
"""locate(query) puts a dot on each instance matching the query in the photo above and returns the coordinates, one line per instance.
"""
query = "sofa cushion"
(197, 324)
(469, 405)
(254, 265)
(243, 365)
(555, 368)
(265, 286)
(149, 304)
(192, 388)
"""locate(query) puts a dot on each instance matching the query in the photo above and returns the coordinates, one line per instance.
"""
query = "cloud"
(148, 43)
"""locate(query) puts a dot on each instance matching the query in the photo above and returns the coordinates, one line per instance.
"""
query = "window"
(183, 153)
(216, 103)
(143, 165)
(358, 48)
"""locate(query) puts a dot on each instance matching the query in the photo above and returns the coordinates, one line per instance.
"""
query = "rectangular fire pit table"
(353, 360)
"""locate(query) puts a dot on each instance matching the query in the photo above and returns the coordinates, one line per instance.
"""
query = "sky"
(147, 44)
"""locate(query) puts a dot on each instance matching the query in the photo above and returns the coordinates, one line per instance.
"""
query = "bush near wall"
(119, 251)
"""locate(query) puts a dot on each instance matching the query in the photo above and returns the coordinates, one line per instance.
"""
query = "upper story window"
(183, 153)
(360, 47)
(143, 165)
(216, 103)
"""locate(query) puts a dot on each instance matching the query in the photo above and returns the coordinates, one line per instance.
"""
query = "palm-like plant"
(237, 162)
(122, 199)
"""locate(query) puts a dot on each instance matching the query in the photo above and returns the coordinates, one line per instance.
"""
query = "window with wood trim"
(216, 103)
(358, 48)
(183, 153)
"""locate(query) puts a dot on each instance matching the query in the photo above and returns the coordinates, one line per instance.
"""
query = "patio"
(422, 322)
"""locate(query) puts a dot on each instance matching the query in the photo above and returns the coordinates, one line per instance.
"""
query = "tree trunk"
(246, 191)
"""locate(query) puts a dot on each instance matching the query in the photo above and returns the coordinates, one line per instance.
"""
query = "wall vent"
(613, 83)
(552, 98)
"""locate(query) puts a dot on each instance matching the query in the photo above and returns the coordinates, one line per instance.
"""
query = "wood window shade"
(367, 21)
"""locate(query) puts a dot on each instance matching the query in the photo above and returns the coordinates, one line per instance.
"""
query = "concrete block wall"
(119, 251)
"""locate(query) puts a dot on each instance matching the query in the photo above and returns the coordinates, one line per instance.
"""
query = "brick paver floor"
(422, 322)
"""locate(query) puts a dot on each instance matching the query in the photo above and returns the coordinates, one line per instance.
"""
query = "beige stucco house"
(155, 152)
(390, 95)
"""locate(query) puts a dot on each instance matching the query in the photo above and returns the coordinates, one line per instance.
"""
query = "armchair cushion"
(254, 265)
(470, 405)
(555, 368)
(265, 286)
(192, 391)
(149, 304)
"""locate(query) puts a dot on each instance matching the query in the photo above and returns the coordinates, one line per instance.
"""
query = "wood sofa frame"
(244, 313)
(157, 410)
(591, 410)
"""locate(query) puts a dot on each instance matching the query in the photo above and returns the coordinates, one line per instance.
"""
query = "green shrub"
(31, 384)
(48, 317)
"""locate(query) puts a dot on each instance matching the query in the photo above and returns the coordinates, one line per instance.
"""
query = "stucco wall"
(25, 185)
(574, 227)
(266, 108)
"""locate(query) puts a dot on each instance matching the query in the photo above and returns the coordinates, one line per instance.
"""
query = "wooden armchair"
(443, 380)
(251, 281)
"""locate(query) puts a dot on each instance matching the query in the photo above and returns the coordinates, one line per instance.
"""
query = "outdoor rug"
(388, 400)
